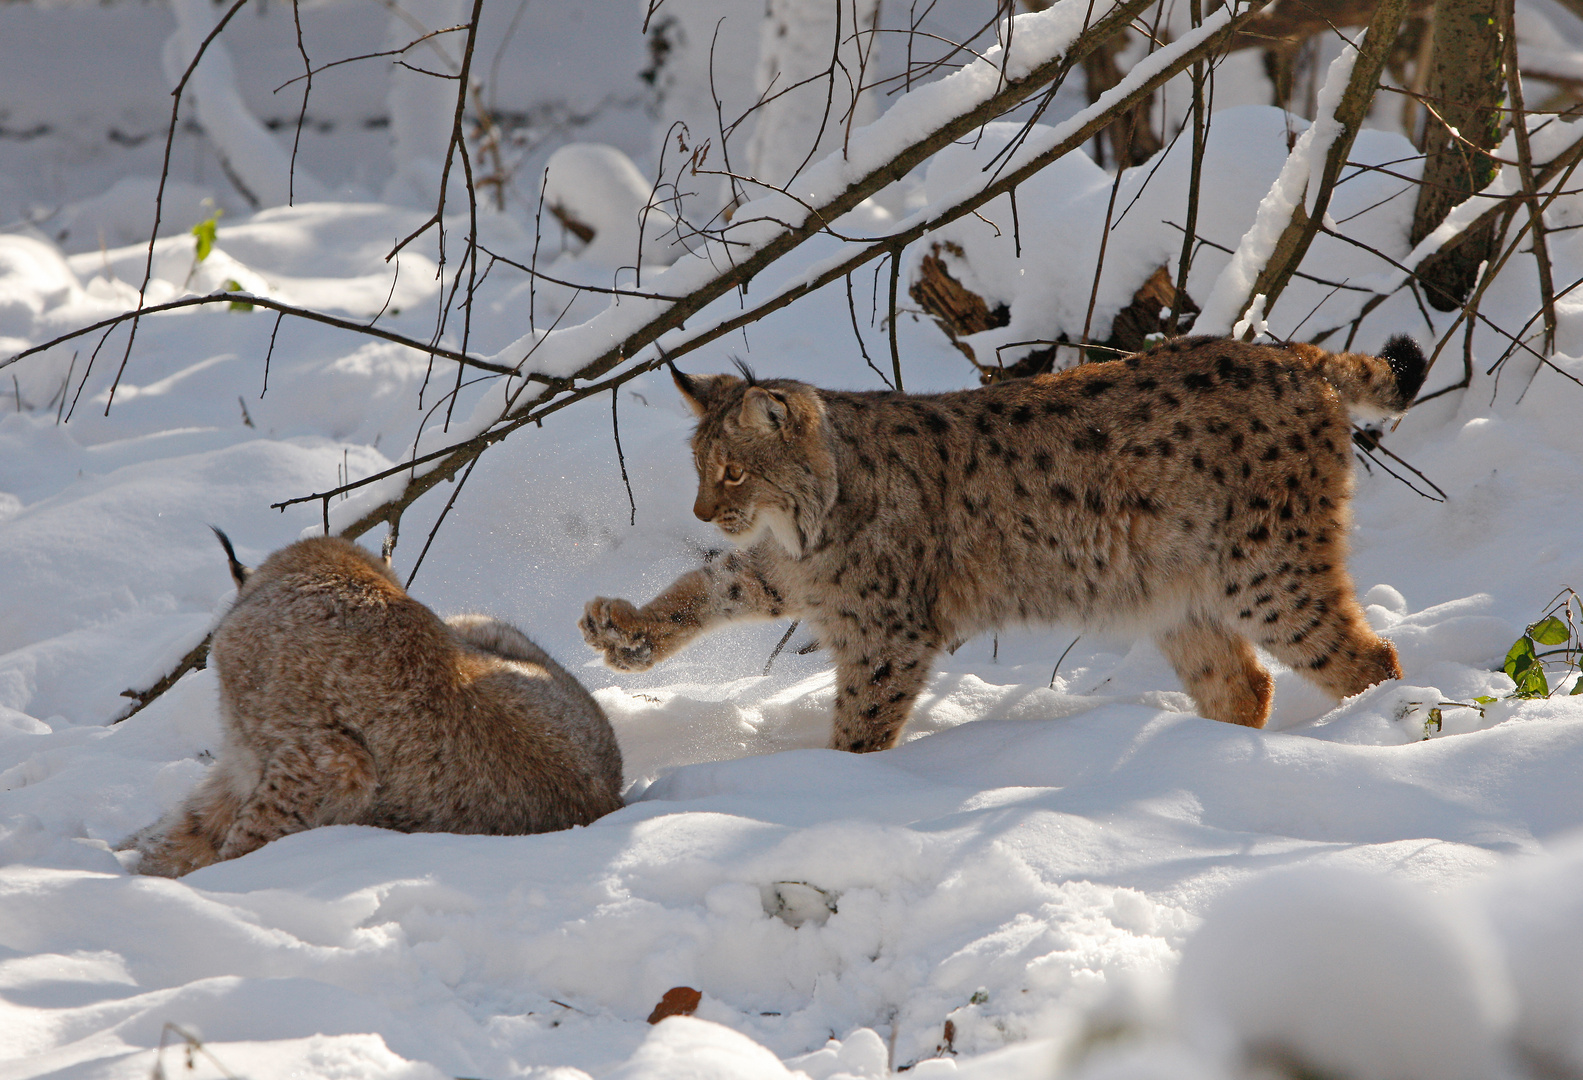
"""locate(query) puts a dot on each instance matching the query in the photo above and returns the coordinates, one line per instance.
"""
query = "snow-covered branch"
(1045, 47)
(1290, 215)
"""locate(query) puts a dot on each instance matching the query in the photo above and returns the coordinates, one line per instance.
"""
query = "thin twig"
(273, 305)
(1184, 261)
(159, 198)
(781, 644)
(615, 432)
(1062, 657)
(1525, 172)
(270, 352)
(1104, 241)
(302, 114)
(895, 349)
(1368, 444)
(455, 492)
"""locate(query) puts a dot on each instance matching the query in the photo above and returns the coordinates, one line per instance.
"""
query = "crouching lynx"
(345, 701)
(1198, 492)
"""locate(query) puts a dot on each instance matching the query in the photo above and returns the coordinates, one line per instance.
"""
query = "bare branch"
(273, 305)
(159, 196)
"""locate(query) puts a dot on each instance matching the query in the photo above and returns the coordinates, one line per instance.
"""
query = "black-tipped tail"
(239, 572)
(1407, 364)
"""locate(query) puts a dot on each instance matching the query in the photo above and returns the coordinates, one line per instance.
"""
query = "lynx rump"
(1197, 492)
(345, 701)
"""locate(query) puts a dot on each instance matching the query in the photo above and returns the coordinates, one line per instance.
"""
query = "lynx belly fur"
(1197, 492)
(345, 701)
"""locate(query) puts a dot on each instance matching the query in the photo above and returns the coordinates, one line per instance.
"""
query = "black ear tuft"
(701, 392)
(747, 372)
(1407, 364)
(239, 573)
(684, 382)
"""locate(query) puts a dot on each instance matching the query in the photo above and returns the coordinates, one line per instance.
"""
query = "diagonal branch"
(1143, 80)
(1349, 115)
(1277, 255)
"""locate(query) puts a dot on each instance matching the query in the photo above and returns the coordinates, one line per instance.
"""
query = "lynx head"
(763, 457)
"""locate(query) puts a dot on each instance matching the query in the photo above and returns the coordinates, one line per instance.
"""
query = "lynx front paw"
(615, 628)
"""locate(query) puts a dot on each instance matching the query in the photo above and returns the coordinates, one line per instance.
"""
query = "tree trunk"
(1465, 88)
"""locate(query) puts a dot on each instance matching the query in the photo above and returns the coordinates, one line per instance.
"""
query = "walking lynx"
(1198, 492)
(346, 702)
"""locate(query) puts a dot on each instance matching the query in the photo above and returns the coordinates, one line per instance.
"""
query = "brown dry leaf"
(678, 1001)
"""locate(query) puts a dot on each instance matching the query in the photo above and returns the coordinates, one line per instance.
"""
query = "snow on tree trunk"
(257, 164)
(422, 107)
(1232, 300)
(700, 50)
(798, 41)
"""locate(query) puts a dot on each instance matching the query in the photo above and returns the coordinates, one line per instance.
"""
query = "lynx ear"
(702, 392)
(239, 573)
(762, 411)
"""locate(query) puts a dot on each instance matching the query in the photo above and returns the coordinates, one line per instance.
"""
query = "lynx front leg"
(635, 639)
(874, 696)
(329, 780)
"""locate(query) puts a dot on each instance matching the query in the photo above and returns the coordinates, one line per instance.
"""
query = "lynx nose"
(704, 508)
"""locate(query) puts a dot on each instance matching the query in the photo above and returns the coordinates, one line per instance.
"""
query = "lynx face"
(762, 466)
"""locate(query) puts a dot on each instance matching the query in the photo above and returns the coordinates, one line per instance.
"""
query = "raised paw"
(616, 629)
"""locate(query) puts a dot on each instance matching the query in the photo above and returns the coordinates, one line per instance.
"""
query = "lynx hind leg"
(1299, 605)
(495, 636)
(327, 781)
(1329, 642)
(191, 835)
(1220, 670)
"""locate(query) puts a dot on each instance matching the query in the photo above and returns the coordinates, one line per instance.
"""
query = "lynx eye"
(734, 474)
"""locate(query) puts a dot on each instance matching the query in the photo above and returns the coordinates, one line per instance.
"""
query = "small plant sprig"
(1434, 719)
(1526, 664)
(204, 235)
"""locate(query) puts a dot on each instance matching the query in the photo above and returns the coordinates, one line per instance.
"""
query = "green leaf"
(1550, 631)
(1526, 670)
(1484, 699)
(1531, 682)
(1577, 688)
(205, 232)
(1519, 656)
(232, 285)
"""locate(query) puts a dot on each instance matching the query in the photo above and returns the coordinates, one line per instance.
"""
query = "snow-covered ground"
(1067, 874)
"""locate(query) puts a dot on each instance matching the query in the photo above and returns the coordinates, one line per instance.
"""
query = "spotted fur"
(1197, 492)
(345, 701)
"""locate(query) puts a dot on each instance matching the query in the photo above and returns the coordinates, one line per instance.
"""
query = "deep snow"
(1077, 873)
